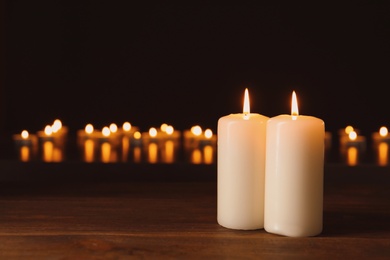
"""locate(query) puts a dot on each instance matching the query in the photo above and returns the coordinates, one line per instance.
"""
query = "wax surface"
(241, 169)
(294, 176)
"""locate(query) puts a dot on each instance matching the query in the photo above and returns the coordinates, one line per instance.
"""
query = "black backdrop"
(188, 63)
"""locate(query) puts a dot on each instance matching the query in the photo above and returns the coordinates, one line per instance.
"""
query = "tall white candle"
(240, 169)
(294, 174)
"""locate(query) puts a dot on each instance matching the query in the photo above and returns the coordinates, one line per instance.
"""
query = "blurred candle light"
(127, 129)
(89, 129)
(169, 129)
(196, 130)
(24, 153)
(208, 154)
(136, 139)
(57, 126)
(126, 126)
(89, 150)
(25, 145)
(383, 153)
(57, 154)
(345, 131)
(153, 152)
(381, 136)
(48, 130)
(113, 128)
(59, 132)
(208, 138)
(152, 132)
(192, 136)
(106, 152)
(381, 141)
(352, 156)
(196, 156)
(88, 133)
(137, 154)
(169, 133)
(163, 127)
(106, 131)
(353, 139)
(114, 134)
(125, 148)
(48, 149)
(169, 151)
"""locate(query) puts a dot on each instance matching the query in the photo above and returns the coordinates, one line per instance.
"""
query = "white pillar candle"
(294, 174)
(240, 167)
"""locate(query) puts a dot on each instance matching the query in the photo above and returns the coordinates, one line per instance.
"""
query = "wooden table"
(49, 211)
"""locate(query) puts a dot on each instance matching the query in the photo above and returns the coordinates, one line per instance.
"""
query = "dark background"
(188, 62)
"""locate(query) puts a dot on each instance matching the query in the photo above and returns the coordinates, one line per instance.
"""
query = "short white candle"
(294, 174)
(240, 167)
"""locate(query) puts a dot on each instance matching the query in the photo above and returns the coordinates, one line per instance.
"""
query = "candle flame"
(383, 131)
(352, 135)
(348, 129)
(153, 132)
(246, 108)
(24, 134)
(208, 133)
(89, 129)
(294, 105)
(137, 135)
(126, 126)
(163, 127)
(106, 131)
(48, 130)
(169, 129)
(113, 128)
(196, 130)
(57, 125)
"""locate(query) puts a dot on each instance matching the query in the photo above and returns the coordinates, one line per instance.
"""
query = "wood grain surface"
(136, 219)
